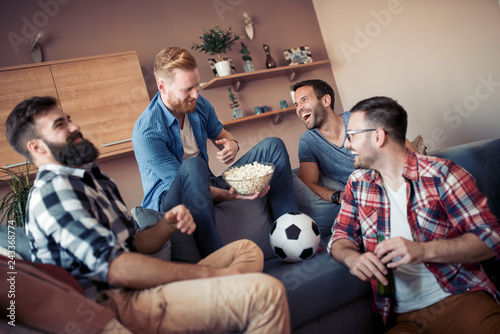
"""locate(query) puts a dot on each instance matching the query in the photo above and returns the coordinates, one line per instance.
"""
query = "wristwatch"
(336, 197)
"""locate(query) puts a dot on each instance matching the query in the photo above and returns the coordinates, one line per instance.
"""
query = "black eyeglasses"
(349, 134)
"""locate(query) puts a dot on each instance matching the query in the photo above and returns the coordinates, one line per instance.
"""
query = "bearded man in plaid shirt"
(76, 219)
(435, 224)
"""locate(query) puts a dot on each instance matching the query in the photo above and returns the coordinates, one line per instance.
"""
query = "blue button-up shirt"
(158, 147)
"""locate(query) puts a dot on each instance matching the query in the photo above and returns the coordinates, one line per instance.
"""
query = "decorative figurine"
(270, 63)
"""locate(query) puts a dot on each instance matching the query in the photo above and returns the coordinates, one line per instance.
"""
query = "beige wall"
(77, 28)
(439, 59)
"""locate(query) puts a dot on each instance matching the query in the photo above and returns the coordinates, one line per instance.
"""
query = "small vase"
(248, 67)
(270, 63)
(237, 113)
(223, 68)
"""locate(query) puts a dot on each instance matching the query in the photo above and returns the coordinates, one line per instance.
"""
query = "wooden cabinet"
(103, 94)
(15, 86)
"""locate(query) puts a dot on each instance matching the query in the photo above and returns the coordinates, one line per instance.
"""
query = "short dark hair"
(320, 87)
(20, 125)
(386, 113)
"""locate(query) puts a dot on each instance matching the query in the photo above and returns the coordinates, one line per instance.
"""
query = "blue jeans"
(281, 196)
(191, 187)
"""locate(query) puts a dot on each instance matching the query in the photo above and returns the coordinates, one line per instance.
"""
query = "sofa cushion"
(21, 243)
(317, 287)
(235, 220)
(481, 159)
(321, 211)
(244, 219)
(145, 218)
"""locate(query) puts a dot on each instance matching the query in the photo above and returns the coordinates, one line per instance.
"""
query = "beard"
(184, 107)
(71, 154)
(367, 159)
(318, 114)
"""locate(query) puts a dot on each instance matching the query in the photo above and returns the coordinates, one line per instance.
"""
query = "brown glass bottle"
(388, 290)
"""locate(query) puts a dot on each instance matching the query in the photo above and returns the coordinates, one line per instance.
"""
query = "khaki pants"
(473, 312)
(251, 302)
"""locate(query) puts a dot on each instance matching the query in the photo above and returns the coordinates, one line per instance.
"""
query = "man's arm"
(309, 174)
(152, 239)
(138, 271)
(365, 266)
(467, 248)
(228, 147)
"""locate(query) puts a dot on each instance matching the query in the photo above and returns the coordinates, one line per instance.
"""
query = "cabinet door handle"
(116, 142)
(15, 165)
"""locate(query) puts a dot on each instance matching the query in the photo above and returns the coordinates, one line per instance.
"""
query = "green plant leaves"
(216, 41)
(13, 204)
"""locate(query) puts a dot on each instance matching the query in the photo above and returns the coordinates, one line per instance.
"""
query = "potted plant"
(13, 205)
(237, 113)
(216, 41)
(248, 67)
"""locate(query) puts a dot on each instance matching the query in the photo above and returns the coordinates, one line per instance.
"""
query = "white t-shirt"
(416, 286)
(188, 141)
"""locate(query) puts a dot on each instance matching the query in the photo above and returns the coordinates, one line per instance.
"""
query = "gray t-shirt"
(334, 162)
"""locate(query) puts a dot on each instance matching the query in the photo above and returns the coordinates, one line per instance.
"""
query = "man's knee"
(246, 246)
(270, 287)
(194, 166)
(273, 142)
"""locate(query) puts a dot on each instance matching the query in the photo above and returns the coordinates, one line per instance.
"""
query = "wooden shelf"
(236, 79)
(275, 114)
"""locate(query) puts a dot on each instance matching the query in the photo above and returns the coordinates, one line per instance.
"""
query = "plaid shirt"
(78, 220)
(158, 146)
(443, 202)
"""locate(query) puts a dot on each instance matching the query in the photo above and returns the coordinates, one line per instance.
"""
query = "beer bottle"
(388, 290)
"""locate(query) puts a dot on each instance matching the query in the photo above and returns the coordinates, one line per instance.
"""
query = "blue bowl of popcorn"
(250, 178)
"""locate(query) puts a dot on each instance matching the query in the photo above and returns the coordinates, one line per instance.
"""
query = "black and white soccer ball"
(294, 237)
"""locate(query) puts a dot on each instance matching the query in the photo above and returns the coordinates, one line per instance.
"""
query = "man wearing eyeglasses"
(421, 217)
(322, 149)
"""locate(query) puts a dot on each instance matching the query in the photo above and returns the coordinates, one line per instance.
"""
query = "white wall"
(438, 58)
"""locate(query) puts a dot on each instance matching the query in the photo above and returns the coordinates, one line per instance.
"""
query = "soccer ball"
(294, 237)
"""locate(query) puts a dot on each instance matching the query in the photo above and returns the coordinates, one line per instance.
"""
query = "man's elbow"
(117, 272)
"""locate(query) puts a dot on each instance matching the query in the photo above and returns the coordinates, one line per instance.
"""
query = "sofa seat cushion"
(322, 212)
(244, 219)
(235, 220)
(316, 287)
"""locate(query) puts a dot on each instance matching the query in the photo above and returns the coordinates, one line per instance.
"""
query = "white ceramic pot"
(223, 68)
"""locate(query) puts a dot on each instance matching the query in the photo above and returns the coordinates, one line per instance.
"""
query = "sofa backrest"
(481, 159)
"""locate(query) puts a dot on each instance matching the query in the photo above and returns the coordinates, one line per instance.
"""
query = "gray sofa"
(323, 296)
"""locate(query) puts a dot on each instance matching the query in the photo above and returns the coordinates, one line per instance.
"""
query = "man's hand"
(228, 154)
(403, 250)
(180, 218)
(233, 195)
(367, 266)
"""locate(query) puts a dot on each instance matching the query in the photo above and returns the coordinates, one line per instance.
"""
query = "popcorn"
(250, 178)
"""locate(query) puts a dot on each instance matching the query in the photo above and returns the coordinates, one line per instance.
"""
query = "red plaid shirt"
(443, 202)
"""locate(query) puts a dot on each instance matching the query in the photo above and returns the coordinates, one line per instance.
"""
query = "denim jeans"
(281, 195)
(191, 187)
